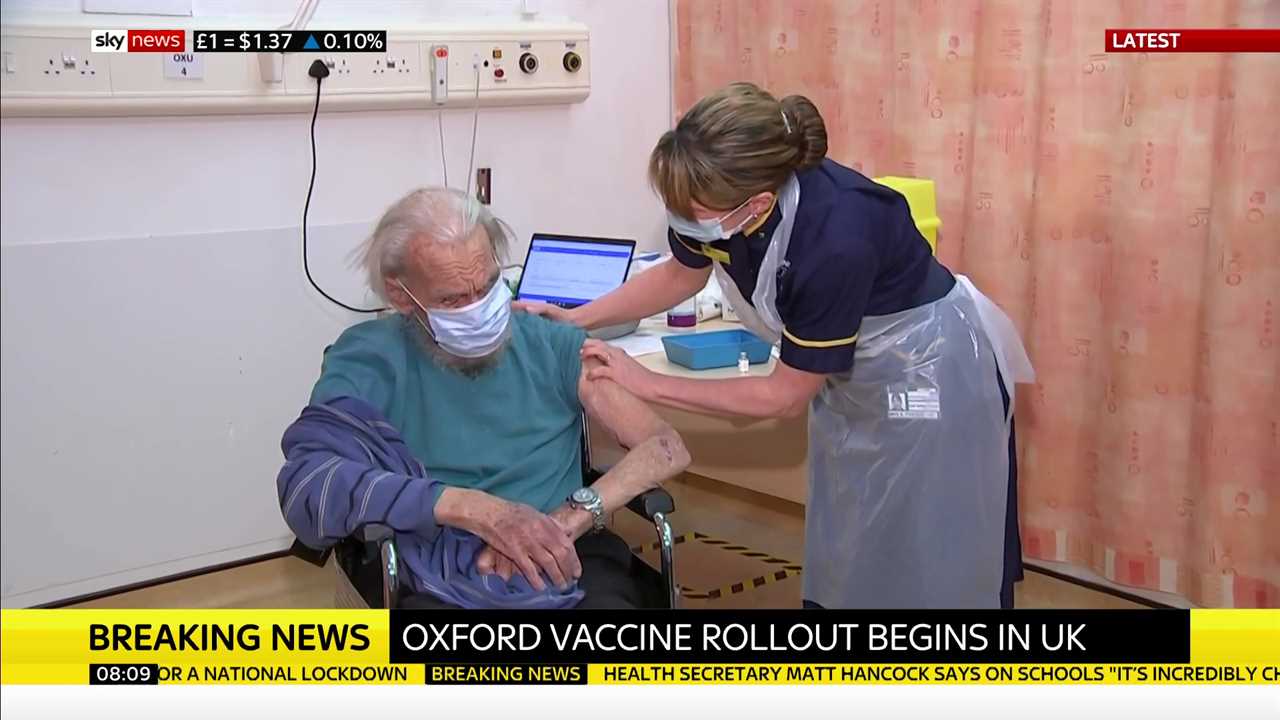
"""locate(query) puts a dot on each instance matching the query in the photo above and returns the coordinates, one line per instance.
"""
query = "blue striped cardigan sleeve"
(346, 467)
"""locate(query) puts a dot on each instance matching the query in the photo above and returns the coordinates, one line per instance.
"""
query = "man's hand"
(575, 522)
(532, 542)
(491, 562)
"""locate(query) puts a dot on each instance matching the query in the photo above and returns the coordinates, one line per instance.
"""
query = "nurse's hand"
(546, 310)
(619, 367)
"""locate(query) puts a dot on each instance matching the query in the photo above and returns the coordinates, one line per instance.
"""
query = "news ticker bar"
(291, 41)
(703, 674)
(642, 647)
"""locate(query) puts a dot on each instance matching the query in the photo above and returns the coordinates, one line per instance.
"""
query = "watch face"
(583, 495)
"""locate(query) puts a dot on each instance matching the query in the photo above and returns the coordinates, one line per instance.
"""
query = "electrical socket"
(399, 68)
(337, 65)
(67, 63)
(54, 66)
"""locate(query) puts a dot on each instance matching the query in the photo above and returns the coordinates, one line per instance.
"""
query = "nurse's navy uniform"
(912, 474)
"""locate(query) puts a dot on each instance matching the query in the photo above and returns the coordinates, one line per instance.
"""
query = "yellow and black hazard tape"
(789, 569)
(735, 588)
(674, 541)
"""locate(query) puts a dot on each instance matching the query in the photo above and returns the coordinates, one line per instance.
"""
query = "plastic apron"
(908, 452)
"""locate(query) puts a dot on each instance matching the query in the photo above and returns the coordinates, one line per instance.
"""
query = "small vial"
(683, 316)
(744, 364)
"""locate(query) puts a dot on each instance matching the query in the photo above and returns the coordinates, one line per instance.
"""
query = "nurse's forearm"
(651, 292)
(785, 393)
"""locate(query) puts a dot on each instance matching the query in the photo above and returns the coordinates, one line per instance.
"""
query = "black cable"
(319, 72)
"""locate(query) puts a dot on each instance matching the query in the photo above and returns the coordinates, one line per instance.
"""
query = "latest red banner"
(1151, 40)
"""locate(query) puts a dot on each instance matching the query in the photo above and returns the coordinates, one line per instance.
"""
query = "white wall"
(158, 333)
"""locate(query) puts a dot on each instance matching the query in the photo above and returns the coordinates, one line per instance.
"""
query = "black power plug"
(318, 69)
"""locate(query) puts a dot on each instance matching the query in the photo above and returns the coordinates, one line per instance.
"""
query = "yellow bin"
(923, 203)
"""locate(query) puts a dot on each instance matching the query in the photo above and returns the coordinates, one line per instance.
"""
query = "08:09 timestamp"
(124, 674)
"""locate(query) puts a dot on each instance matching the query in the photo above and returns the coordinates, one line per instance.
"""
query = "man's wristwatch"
(589, 500)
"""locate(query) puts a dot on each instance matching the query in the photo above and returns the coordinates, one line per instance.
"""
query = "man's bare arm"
(655, 451)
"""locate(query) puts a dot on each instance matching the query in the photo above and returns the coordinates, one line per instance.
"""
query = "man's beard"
(469, 367)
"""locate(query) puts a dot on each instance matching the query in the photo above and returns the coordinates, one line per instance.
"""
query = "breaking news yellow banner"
(144, 647)
(358, 647)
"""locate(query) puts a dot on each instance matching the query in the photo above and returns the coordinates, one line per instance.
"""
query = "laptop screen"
(571, 271)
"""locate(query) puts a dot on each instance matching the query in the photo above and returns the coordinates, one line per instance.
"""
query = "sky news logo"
(162, 41)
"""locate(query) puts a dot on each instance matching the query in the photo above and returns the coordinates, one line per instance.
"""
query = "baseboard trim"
(1096, 587)
(144, 584)
(276, 555)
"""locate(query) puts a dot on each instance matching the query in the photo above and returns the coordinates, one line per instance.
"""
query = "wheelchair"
(369, 574)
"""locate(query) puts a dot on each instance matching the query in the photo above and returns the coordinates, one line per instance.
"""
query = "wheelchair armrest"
(656, 506)
(373, 532)
(649, 504)
(380, 542)
(389, 562)
(316, 557)
(365, 534)
(371, 561)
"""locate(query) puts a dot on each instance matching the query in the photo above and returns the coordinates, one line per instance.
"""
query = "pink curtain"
(1124, 209)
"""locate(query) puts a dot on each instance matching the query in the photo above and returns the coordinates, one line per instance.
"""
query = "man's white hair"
(434, 214)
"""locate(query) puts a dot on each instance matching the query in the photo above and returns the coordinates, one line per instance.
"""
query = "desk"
(767, 456)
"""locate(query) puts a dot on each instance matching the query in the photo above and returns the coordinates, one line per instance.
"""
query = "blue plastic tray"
(720, 348)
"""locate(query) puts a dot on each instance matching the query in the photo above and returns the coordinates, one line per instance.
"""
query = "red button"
(499, 73)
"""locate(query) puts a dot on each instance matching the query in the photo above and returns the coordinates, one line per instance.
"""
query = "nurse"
(907, 372)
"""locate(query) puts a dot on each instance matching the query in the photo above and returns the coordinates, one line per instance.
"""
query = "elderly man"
(458, 424)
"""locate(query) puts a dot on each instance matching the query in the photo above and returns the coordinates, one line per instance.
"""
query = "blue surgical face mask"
(473, 331)
(707, 230)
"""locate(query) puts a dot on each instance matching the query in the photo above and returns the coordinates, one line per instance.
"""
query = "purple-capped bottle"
(684, 315)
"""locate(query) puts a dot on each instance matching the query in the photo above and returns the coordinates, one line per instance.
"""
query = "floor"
(737, 549)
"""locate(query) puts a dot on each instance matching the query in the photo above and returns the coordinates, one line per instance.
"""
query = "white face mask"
(473, 331)
(706, 230)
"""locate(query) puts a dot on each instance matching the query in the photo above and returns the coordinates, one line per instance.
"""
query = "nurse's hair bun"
(734, 144)
(808, 131)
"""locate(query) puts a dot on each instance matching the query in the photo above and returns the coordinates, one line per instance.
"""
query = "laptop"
(569, 271)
